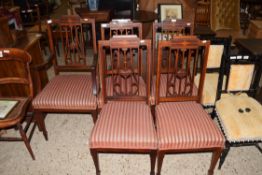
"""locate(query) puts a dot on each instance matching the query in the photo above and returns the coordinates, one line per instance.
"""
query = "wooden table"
(31, 44)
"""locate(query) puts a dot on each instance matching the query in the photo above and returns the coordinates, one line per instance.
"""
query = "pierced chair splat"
(121, 27)
(73, 89)
(167, 30)
(182, 124)
(18, 76)
(239, 114)
(125, 118)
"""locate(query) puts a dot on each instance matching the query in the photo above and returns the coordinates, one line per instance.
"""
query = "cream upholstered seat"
(240, 126)
(240, 115)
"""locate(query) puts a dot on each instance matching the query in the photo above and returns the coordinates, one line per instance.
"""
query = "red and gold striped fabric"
(186, 125)
(67, 92)
(124, 125)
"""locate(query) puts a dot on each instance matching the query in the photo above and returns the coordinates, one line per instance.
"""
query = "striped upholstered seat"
(61, 93)
(120, 125)
(178, 127)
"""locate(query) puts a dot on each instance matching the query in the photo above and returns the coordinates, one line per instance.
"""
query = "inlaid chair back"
(167, 30)
(239, 114)
(120, 27)
(70, 31)
(17, 60)
(76, 90)
(15, 71)
(183, 56)
(121, 73)
(125, 123)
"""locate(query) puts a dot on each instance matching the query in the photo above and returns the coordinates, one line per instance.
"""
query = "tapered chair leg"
(26, 141)
(215, 156)
(259, 148)
(223, 157)
(160, 158)
(94, 155)
(41, 124)
(153, 155)
(94, 116)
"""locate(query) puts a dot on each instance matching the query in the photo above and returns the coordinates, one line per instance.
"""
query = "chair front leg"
(215, 156)
(153, 156)
(160, 158)
(223, 156)
(95, 157)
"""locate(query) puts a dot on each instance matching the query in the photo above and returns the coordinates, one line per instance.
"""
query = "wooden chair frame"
(226, 42)
(120, 42)
(20, 112)
(189, 43)
(71, 21)
(235, 60)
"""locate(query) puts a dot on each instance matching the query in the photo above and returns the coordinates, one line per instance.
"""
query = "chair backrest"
(184, 54)
(15, 72)
(167, 30)
(218, 52)
(121, 72)
(70, 32)
(120, 27)
(31, 17)
(202, 12)
(243, 74)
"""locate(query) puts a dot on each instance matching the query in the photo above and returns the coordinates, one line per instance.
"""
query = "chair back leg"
(223, 156)
(39, 117)
(25, 139)
(215, 156)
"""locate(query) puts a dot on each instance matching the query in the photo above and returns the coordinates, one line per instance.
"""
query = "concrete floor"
(67, 153)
